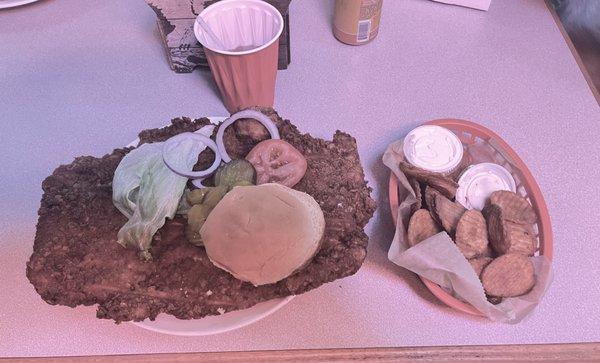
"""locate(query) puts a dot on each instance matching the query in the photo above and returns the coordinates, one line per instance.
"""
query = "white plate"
(168, 324)
(13, 3)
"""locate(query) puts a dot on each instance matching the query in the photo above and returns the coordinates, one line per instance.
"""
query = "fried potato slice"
(421, 226)
(448, 213)
(479, 264)
(471, 234)
(443, 183)
(514, 207)
(507, 236)
(508, 276)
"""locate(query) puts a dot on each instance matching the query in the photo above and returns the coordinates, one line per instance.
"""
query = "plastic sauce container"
(356, 22)
(479, 181)
(433, 148)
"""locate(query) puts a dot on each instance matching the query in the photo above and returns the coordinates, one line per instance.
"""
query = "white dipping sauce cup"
(479, 181)
(433, 148)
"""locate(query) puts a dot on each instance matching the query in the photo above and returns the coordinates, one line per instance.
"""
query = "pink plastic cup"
(245, 72)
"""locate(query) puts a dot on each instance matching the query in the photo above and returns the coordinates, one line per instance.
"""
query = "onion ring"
(198, 183)
(199, 138)
(255, 115)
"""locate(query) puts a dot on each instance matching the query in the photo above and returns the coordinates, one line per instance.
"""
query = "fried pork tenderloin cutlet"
(76, 259)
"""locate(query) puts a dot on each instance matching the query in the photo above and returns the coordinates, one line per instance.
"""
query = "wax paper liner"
(439, 260)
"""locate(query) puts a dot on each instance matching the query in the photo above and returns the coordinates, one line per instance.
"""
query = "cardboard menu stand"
(176, 25)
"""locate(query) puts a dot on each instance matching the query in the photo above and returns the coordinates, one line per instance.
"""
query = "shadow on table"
(326, 9)
(206, 77)
(382, 233)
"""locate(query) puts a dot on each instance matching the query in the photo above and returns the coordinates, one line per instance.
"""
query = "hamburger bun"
(264, 233)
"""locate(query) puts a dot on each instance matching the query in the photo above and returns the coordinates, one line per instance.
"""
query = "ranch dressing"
(479, 181)
(433, 148)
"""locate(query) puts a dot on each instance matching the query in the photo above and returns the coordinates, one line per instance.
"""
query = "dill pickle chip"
(195, 219)
(193, 237)
(509, 275)
(234, 172)
(242, 183)
(214, 196)
(196, 196)
(421, 226)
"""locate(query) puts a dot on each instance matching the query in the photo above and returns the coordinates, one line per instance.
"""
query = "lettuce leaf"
(147, 192)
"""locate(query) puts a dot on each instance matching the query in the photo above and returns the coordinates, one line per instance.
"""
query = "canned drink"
(356, 22)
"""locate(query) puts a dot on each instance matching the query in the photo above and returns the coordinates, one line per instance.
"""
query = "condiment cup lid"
(479, 181)
(433, 148)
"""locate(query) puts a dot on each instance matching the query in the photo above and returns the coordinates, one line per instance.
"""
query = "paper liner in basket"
(439, 260)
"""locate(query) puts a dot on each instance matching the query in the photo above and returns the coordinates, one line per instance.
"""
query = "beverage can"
(356, 22)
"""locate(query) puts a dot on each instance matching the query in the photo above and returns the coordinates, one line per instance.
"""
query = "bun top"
(262, 234)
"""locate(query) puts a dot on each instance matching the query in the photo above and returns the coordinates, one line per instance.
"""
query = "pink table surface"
(82, 77)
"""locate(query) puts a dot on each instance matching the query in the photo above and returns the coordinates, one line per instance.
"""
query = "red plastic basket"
(470, 133)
